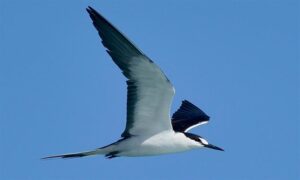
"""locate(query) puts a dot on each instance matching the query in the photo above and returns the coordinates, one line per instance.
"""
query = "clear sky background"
(60, 92)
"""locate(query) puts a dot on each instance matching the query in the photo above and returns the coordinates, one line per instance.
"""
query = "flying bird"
(149, 128)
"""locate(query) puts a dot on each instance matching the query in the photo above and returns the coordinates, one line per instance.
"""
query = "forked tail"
(77, 155)
(109, 151)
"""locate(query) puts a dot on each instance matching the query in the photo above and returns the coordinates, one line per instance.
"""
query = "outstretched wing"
(150, 93)
(187, 117)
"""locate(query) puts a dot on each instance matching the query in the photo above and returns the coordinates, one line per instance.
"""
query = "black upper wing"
(187, 117)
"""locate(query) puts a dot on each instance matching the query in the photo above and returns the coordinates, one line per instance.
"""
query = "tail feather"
(75, 155)
(108, 150)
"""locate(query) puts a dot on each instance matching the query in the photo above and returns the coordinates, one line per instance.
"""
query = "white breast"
(162, 143)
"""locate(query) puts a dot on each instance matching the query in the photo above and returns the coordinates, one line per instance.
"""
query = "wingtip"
(89, 9)
(94, 14)
(187, 102)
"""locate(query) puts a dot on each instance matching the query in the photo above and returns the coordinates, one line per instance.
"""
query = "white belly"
(165, 142)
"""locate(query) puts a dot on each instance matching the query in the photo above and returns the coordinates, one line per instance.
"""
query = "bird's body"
(161, 143)
(150, 130)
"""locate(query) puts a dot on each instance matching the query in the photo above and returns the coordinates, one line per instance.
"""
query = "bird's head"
(202, 142)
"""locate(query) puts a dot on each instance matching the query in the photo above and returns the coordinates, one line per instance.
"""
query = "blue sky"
(60, 92)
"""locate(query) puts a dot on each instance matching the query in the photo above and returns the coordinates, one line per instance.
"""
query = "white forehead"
(203, 141)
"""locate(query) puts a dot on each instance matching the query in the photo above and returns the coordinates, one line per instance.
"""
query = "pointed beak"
(213, 147)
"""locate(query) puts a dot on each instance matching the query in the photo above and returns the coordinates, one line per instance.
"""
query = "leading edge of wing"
(148, 87)
(111, 37)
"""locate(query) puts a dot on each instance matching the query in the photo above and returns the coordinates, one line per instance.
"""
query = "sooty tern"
(149, 128)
